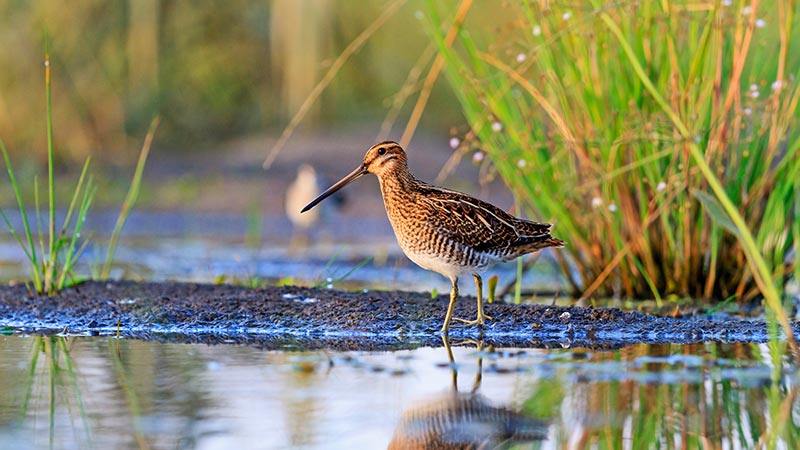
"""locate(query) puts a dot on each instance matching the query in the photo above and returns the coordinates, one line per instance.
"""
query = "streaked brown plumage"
(445, 231)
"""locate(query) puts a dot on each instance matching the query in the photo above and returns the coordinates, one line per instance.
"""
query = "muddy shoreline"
(295, 317)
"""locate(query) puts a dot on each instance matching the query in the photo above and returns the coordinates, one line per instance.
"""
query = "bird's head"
(384, 157)
(380, 159)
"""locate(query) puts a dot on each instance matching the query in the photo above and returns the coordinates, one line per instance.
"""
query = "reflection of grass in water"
(114, 349)
(673, 404)
(61, 373)
(63, 387)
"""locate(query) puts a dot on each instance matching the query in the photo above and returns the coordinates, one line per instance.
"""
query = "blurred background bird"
(307, 185)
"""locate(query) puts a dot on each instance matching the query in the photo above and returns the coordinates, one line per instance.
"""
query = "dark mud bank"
(282, 317)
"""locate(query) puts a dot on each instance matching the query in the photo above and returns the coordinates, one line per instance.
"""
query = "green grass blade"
(75, 196)
(51, 185)
(31, 248)
(130, 198)
(361, 264)
(15, 235)
(714, 209)
(70, 256)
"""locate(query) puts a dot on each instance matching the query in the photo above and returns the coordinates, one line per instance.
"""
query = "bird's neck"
(397, 180)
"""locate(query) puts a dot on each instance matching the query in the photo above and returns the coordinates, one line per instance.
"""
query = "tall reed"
(660, 137)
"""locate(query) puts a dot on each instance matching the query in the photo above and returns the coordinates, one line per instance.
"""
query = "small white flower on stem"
(597, 201)
(747, 111)
(760, 23)
(661, 186)
(537, 30)
(777, 85)
(521, 57)
(747, 10)
(612, 207)
(497, 126)
(521, 163)
(454, 142)
(566, 15)
(727, 2)
(478, 157)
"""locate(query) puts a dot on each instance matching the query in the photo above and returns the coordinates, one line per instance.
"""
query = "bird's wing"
(478, 224)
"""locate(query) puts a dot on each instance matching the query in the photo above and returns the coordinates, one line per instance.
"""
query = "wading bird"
(445, 231)
(307, 185)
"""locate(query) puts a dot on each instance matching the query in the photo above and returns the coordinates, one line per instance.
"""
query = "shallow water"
(345, 253)
(101, 392)
(81, 392)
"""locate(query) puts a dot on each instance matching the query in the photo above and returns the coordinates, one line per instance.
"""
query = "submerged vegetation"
(660, 137)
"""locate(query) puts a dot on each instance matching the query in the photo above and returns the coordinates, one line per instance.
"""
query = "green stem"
(51, 187)
(761, 272)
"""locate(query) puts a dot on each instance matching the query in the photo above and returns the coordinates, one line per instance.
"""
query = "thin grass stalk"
(71, 256)
(50, 267)
(406, 90)
(39, 230)
(361, 264)
(130, 198)
(320, 87)
(75, 196)
(30, 249)
(433, 74)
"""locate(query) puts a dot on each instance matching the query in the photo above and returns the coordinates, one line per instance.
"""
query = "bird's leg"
(481, 316)
(479, 284)
(451, 307)
(452, 360)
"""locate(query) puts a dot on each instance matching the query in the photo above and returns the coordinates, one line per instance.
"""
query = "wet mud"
(295, 317)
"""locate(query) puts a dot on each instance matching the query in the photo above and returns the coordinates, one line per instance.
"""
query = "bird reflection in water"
(464, 420)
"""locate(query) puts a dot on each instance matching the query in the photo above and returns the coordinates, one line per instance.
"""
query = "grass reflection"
(62, 385)
(77, 392)
(666, 397)
(131, 397)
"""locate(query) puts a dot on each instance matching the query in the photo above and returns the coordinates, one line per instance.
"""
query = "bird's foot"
(479, 321)
(455, 322)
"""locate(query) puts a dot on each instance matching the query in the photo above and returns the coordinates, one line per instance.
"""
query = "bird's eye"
(382, 151)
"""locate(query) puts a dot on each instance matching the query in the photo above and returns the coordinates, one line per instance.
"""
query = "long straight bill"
(352, 176)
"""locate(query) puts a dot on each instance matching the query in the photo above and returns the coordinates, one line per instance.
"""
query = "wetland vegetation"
(659, 137)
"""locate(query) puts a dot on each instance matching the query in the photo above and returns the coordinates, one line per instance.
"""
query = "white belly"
(441, 265)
